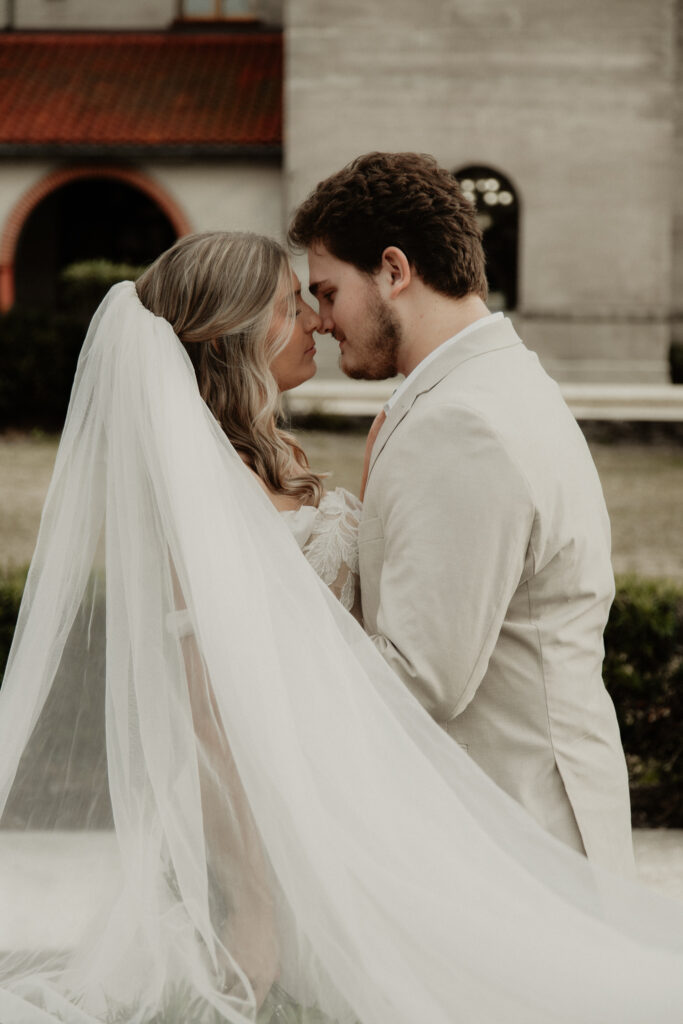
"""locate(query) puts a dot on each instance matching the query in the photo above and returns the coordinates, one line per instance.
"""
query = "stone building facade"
(576, 107)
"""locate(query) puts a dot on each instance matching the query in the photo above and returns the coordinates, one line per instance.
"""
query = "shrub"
(38, 356)
(644, 673)
(11, 589)
(39, 349)
(85, 284)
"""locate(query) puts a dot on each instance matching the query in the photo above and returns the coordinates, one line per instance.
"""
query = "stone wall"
(231, 195)
(238, 195)
(572, 102)
(676, 184)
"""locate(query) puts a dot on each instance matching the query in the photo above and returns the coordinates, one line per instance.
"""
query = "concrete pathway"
(49, 880)
(659, 856)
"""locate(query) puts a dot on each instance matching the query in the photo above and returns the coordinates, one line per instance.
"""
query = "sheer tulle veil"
(290, 837)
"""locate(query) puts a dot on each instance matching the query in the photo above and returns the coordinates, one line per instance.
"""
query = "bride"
(296, 841)
(242, 373)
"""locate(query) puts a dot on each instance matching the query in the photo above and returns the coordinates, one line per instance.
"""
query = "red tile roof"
(149, 90)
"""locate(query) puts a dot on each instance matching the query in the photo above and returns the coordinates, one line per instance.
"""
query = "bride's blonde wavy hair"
(221, 293)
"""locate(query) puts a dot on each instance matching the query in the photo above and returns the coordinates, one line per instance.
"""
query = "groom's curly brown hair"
(401, 199)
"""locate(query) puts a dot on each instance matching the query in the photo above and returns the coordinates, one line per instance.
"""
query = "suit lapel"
(498, 335)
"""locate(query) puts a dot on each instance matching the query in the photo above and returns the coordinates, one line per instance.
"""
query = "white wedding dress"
(294, 836)
(328, 538)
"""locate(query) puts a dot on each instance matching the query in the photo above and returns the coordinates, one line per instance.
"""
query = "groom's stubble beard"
(378, 353)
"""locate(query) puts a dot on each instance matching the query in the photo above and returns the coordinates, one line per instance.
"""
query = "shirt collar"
(491, 318)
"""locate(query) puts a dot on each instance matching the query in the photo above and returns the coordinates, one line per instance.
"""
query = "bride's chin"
(311, 372)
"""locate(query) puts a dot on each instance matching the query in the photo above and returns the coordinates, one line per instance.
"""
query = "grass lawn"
(643, 487)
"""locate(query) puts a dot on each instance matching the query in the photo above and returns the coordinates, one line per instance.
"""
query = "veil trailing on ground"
(277, 830)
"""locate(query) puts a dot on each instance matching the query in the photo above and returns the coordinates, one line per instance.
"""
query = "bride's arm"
(332, 546)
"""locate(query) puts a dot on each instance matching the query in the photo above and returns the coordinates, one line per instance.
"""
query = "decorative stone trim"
(628, 402)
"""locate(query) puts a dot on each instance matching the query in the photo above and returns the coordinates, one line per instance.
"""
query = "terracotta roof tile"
(140, 89)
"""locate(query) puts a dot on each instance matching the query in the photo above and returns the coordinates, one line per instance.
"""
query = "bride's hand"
(377, 424)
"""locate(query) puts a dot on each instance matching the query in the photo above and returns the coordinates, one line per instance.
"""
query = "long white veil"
(292, 836)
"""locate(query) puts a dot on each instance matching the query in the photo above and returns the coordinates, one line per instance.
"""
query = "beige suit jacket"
(486, 583)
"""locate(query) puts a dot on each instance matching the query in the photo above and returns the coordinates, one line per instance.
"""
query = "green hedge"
(38, 355)
(643, 672)
(11, 588)
(39, 350)
(84, 285)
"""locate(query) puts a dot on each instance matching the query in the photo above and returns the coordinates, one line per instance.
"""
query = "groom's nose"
(326, 324)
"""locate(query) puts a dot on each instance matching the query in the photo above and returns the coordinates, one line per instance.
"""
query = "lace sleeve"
(332, 547)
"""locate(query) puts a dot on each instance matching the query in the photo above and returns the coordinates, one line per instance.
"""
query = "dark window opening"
(87, 219)
(497, 206)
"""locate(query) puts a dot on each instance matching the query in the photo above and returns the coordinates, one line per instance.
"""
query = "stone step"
(628, 402)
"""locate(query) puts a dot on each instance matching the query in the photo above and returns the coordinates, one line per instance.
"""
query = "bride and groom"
(296, 838)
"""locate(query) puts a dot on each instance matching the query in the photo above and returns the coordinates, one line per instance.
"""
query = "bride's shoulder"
(282, 502)
(333, 502)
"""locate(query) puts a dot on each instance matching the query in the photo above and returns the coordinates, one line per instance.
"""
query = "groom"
(484, 541)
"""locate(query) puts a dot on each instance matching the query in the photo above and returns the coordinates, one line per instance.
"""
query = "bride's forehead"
(289, 285)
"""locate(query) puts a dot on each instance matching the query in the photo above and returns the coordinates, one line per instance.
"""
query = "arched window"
(497, 207)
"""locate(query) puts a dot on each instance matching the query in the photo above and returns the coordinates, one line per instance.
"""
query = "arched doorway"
(497, 205)
(74, 215)
(83, 213)
(86, 219)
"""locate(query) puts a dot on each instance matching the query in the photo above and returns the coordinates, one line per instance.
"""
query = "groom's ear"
(396, 270)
